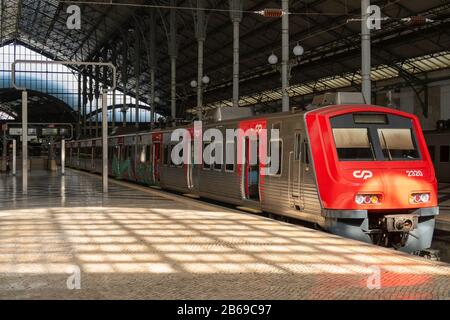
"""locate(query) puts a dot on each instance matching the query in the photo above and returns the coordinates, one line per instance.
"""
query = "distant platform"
(66, 239)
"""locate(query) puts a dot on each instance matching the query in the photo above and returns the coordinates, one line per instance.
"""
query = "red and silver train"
(359, 171)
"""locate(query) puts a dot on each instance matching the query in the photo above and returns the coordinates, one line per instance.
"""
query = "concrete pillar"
(365, 53)
(236, 18)
(285, 55)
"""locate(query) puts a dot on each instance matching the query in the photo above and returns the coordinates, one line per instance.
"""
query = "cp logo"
(362, 174)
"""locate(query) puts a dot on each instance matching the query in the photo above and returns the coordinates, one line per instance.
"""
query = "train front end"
(374, 174)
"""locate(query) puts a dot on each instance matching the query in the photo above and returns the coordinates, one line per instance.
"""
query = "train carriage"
(359, 171)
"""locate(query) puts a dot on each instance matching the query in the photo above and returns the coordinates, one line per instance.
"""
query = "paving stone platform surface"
(66, 240)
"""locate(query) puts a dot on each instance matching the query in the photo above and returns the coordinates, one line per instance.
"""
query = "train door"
(156, 158)
(190, 166)
(251, 169)
(296, 174)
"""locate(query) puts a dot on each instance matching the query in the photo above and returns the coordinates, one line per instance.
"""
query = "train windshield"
(353, 144)
(374, 137)
(397, 144)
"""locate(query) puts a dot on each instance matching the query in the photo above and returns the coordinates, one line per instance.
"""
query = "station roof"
(324, 28)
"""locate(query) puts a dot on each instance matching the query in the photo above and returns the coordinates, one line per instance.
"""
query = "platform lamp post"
(25, 114)
(194, 84)
(273, 61)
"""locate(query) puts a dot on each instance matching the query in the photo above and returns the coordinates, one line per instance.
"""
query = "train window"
(297, 146)
(279, 145)
(444, 154)
(277, 126)
(397, 144)
(229, 149)
(305, 151)
(143, 155)
(147, 153)
(353, 144)
(206, 165)
(166, 155)
(181, 156)
(431, 151)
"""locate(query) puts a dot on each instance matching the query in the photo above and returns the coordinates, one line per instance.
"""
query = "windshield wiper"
(386, 145)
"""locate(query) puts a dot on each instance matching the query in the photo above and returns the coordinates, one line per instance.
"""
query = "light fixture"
(193, 84)
(206, 80)
(157, 99)
(273, 59)
(298, 50)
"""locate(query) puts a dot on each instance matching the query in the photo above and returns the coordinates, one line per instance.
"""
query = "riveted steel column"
(79, 107)
(85, 100)
(24, 142)
(124, 81)
(236, 18)
(97, 97)
(200, 29)
(285, 55)
(365, 53)
(114, 62)
(137, 73)
(90, 97)
(105, 140)
(152, 57)
(173, 51)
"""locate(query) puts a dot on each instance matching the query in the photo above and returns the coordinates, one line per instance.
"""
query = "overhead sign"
(18, 131)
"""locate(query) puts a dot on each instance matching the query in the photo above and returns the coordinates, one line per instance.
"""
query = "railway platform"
(66, 239)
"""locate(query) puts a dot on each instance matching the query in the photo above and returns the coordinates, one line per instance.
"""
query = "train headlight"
(359, 199)
(419, 198)
(368, 199)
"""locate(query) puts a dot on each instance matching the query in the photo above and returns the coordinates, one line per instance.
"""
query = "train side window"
(143, 155)
(169, 154)
(166, 155)
(444, 154)
(279, 145)
(305, 151)
(229, 149)
(432, 151)
(148, 153)
(181, 156)
(297, 146)
(206, 166)
(218, 166)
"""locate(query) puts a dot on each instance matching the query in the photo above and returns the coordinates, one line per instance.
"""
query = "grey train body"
(292, 193)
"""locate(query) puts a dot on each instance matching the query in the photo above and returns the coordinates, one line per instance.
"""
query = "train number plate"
(414, 173)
